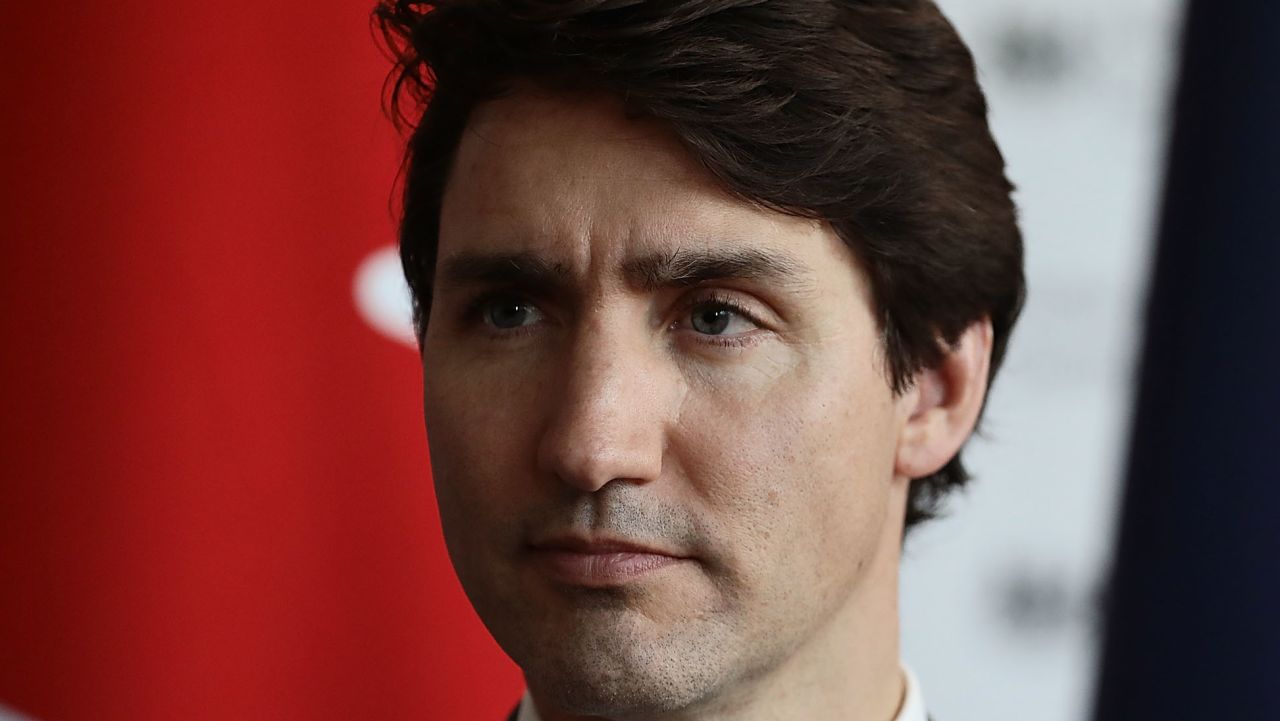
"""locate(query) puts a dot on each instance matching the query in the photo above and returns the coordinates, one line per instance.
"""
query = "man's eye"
(718, 318)
(509, 313)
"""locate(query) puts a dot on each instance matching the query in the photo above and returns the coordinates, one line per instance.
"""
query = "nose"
(610, 413)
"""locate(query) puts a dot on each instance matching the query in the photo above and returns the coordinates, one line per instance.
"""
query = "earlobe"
(943, 407)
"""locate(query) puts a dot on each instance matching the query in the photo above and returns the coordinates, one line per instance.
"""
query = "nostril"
(587, 450)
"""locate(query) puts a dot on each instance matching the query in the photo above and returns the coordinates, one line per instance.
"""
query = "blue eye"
(711, 319)
(508, 313)
(717, 318)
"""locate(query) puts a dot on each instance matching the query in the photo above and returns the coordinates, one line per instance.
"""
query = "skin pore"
(620, 352)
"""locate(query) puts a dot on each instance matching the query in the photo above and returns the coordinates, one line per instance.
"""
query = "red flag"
(215, 500)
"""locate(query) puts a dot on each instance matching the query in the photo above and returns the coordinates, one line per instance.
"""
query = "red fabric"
(215, 501)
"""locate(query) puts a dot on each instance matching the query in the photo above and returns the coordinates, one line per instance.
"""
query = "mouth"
(600, 562)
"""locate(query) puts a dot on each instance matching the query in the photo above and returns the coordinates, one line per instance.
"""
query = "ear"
(944, 404)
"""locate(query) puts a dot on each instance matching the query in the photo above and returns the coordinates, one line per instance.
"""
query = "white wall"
(1000, 599)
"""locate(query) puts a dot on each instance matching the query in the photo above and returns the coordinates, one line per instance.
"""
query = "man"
(709, 294)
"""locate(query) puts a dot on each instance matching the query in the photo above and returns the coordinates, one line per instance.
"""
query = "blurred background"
(214, 500)
(1005, 594)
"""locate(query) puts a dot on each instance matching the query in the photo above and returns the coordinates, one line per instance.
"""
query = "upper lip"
(599, 544)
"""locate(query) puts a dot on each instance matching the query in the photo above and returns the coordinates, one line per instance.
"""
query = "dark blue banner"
(1193, 630)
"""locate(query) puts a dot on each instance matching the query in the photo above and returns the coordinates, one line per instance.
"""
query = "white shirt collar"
(912, 702)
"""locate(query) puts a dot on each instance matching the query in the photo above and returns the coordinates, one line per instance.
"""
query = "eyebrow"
(684, 268)
(522, 269)
(677, 269)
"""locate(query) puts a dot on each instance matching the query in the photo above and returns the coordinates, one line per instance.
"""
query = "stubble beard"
(616, 662)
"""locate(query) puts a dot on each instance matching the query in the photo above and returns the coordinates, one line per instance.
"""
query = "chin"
(583, 688)
(621, 668)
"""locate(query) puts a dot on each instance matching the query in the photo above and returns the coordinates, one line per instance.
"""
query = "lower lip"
(601, 569)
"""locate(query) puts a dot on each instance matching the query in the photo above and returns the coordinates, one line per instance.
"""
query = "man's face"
(661, 430)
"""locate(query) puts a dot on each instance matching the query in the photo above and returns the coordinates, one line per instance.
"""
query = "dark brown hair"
(862, 113)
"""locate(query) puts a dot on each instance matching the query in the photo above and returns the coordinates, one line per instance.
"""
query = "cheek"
(796, 465)
(479, 430)
(479, 408)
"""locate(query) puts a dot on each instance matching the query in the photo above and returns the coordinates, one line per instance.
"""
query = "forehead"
(573, 178)
(542, 144)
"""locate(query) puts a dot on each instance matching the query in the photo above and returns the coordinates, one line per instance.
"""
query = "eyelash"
(473, 315)
(720, 300)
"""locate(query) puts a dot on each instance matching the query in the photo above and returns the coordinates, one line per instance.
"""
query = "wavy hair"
(864, 114)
